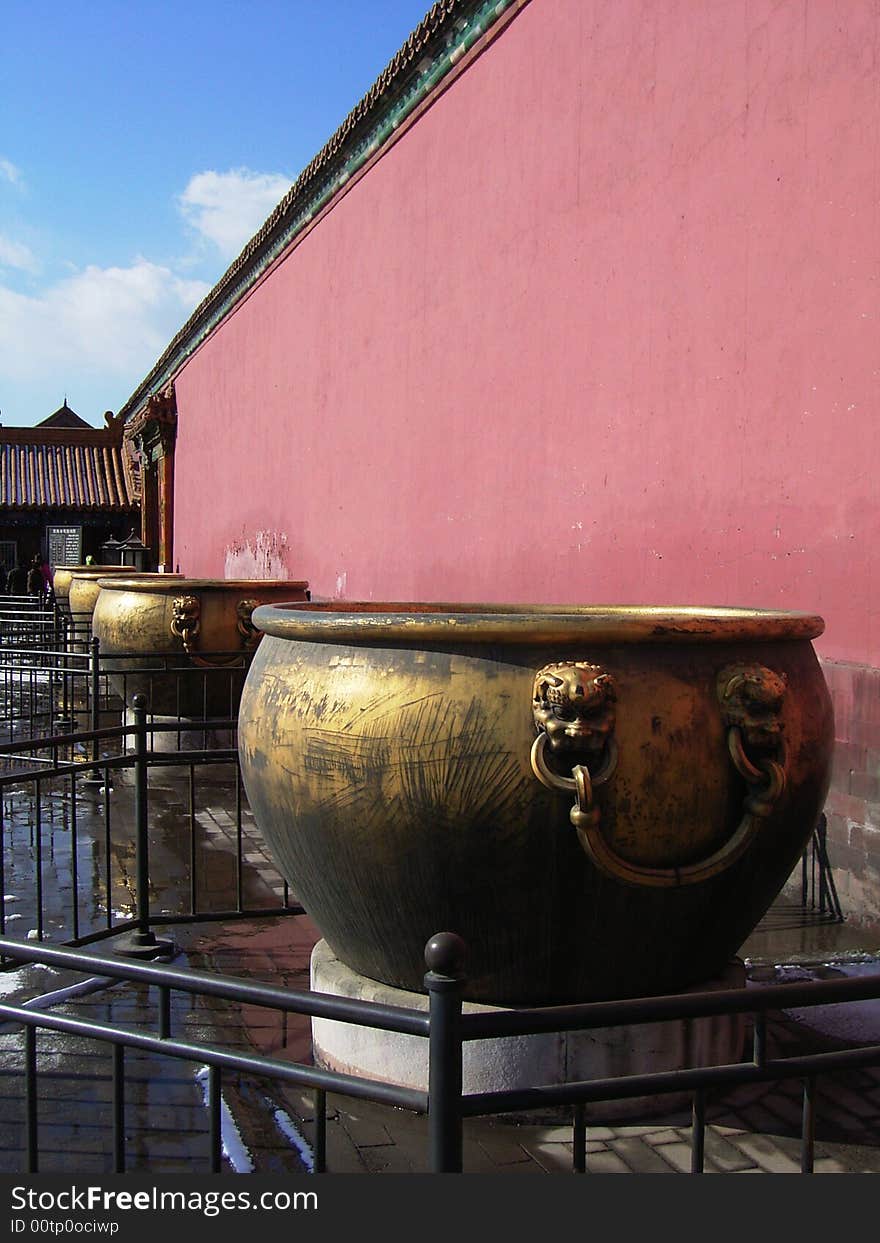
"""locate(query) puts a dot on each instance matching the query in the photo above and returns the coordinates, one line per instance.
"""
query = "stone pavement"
(269, 1129)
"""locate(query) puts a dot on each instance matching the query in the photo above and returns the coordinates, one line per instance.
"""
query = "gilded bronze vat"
(85, 586)
(62, 577)
(183, 643)
(603, 801)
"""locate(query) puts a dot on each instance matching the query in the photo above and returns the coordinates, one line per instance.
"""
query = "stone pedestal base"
(516, 1062)
(169, 734)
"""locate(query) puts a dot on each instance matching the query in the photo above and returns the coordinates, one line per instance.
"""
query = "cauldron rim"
(369, 621)
(92, 573)
(156, 582)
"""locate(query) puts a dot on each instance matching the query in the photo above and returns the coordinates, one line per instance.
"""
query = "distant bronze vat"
(85, 586)
(62, 577)
(192, 628)
(603, 801)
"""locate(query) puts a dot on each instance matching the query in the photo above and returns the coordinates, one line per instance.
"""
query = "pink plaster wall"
(601, 327)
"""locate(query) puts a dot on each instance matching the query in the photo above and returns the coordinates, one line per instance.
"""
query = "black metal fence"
(818, 890)
(77, 812)
(445, 1028)
(53, 679)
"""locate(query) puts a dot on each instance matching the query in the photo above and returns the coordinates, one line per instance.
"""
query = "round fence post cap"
(445, 954)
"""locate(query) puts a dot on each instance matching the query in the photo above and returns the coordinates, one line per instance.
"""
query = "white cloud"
(16, 255)
(106, 321)
(228, 208)
(96, 332)
(10, 172)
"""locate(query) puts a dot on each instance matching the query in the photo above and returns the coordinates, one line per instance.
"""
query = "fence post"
(444, 958)
(95, 779)
(94, 670)
(64, 723)
(142, 941)
(57, 640)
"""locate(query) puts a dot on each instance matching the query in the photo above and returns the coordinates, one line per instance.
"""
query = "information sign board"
(65, 546)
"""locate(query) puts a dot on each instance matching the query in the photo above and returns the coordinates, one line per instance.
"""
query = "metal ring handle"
(766, 780)
(554, 781)
(611, 863)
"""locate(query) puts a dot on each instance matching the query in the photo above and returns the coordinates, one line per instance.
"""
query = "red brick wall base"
(853, 804)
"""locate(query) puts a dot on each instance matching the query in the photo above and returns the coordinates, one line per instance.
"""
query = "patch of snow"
(289, 1130)
(233, 1148)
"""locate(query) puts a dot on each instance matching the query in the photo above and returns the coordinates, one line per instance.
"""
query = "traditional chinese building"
(65, 488)
(579, 304)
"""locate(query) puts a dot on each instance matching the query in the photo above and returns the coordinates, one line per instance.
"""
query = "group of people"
(34, 579)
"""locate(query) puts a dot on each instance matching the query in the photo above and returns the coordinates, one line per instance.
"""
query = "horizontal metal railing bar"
(660, 1083)
(16, 630)
(473, 1026)
(146, 663)
(253, 1064)
(163, 920)
(210, 755)
(100, 934)
(187, 725)
(193, 725)
(30, 759)
(154, 759)
(92, 735)
(78, 767)
(26, 619)
(56, 660)
(200, 917)
(163, 657)
(183, 979)
(44, 743)
(671, 1006)
(175, 759)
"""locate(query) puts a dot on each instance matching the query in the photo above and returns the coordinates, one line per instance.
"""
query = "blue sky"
(142, 142)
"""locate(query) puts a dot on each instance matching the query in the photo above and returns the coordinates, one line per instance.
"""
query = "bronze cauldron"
(85, 586)
(62, 578)
(171, 638)
(602, 801)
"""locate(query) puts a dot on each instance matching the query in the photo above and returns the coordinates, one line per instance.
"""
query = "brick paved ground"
(270, 1130)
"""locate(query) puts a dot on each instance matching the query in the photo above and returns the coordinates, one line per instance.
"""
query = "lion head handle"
(250, 635)
(573, 702)
(185, 620)
(751, 698)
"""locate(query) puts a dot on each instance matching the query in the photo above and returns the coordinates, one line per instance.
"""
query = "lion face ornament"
(573, 703)
(752, 699)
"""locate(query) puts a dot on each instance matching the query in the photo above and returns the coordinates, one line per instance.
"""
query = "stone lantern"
(133, 552)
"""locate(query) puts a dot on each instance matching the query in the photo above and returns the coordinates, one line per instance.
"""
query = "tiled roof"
(62, 469)
(433, 48)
